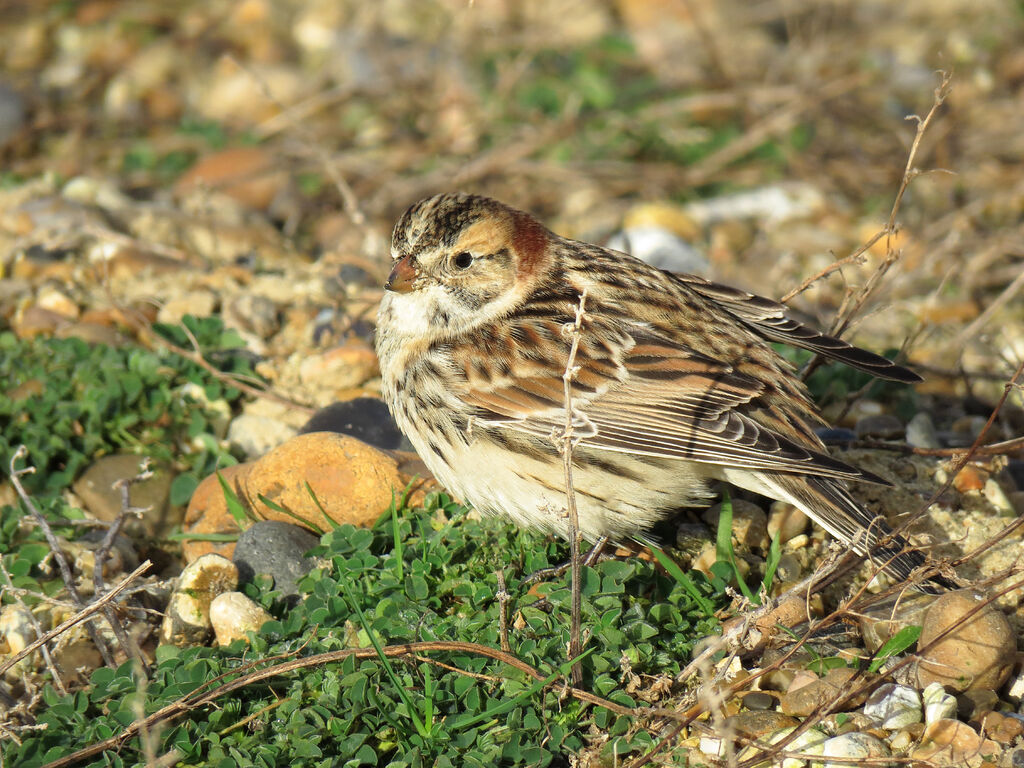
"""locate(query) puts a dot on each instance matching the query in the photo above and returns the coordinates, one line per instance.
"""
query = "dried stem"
(909, 174)
(58, 553)
(851, 307)
(503, 598)
(124, 487)
(51, 664)
(78, 618)
(567, 441)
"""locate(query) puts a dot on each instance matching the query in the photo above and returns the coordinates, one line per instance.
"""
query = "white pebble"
(938, 704)
(894, 706)
(233, 616)
(853, 745)
(807, 743)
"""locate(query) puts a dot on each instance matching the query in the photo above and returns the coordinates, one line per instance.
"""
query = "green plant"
(894, 646)
(70, 402)
(472, 711)
(24, 547)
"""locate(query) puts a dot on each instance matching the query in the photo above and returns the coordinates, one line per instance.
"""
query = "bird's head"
(460, 261)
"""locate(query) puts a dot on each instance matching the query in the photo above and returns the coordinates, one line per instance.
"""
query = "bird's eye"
(463, 260)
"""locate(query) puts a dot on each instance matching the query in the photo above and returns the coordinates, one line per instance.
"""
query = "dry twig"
(82, 615)
(58, 553)
(853, 304)
(567, 442)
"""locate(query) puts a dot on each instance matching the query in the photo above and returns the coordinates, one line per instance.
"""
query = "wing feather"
(771, 320)
(694, 408)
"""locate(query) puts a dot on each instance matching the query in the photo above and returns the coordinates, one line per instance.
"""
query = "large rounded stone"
(96, 489)
(320, 480)
(207, 513)
(352, 481)
(978, 654)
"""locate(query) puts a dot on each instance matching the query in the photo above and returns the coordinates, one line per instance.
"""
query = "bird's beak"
(402, 276)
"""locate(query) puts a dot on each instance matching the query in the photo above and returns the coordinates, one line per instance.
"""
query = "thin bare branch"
(566, 444)
(55, 549)
(78, 618)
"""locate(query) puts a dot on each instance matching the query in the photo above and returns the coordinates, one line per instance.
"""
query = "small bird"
(676, 384)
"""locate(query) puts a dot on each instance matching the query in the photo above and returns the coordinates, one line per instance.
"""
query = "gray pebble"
(759, 700)
(275, 549)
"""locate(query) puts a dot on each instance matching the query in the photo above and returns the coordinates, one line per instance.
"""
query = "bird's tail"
(829, 503)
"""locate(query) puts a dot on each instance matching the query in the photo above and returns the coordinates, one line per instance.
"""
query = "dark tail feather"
(771, 320)
(829, 502)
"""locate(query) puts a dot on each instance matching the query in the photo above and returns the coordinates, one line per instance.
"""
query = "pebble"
(128, 263)
(77, 660)
(970, 478)
(894, 706)
(921, 431)
(1006, 729)
(998, 498)
(276, 549)
(187, 619)
(753, 725)
(938, 705)
(199, 303)
(787, 521)
(253, 313)
(250, 175)
(810, 742)
(978, 655)
(255, 435)
(1015, 687)
(660, 248)
(881, 621)
(92, 333)
(809, 698)
(55, 300)
(343, 367)
(708, 556)
(780, 679)
(853, 746)
(759, 700)
(901, 740)
(971, 705)
(883, 426)
(365, 418)
(691, 538)
(950, 742)
(16, 628)
(94, 488)
(34, 321)
(749, 523)
(788, 570)
(233, 616)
